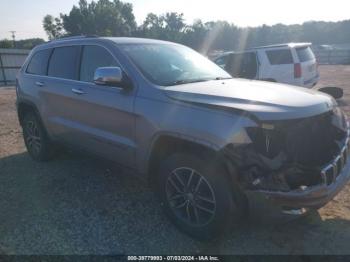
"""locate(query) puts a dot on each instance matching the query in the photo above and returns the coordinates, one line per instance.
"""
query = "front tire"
(36, 139)
(195, 195)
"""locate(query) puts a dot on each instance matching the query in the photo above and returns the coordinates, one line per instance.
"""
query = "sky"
(25, 16)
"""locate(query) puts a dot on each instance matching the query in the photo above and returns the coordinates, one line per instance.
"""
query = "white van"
(292, 63)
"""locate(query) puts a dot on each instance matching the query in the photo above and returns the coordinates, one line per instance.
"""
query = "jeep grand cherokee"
(204, 140)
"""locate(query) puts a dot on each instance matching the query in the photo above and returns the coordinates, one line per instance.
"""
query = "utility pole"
(13, 33)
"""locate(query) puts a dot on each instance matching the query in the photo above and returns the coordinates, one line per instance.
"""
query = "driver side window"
(94, 57)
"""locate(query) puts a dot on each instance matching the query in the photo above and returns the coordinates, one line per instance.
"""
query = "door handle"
(40, 84)
(78, 91)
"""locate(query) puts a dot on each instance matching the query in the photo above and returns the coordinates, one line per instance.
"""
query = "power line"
(13, 33)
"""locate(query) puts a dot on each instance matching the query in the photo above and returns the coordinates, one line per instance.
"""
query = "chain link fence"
(333, 57)
(11, 61)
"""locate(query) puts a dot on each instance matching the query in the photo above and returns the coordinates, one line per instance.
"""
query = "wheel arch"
(24, 106)
(165, 144)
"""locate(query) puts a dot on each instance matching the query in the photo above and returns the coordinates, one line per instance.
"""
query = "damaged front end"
(298, 163)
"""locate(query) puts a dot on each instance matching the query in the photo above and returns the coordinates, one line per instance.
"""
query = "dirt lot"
(80, 205)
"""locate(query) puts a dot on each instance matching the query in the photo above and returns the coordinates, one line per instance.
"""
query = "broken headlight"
(339, 120)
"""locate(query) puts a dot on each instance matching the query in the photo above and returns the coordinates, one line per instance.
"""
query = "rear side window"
(305, 54)
(38, 63)
(64, 62)
(94, 57)
(243, 65)
(280, 57)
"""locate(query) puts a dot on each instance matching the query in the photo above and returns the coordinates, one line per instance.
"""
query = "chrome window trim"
(68, 45)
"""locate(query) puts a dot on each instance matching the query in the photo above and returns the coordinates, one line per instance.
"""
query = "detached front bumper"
(335, 176)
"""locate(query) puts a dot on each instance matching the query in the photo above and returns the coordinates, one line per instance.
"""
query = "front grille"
(312, 141)
(331, 171)
(290, 154)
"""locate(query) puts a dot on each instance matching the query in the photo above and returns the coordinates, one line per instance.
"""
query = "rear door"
(56, 92)
(308, 64)
(32, 78)
(279, 65)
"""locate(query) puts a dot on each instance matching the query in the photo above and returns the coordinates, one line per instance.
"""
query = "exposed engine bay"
(291, 154)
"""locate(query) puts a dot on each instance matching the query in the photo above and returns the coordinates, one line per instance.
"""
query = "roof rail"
(73, 37)
(281, 45)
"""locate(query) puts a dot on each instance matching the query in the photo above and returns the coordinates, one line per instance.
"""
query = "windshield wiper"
(222, 78)
(188, 81)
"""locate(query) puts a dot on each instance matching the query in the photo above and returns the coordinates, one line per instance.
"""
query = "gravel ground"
(76, 204)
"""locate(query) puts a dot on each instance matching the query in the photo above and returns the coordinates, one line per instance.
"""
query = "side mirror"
(335, 92)
(111, 76)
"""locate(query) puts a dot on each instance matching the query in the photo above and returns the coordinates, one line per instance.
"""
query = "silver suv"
(210, 145)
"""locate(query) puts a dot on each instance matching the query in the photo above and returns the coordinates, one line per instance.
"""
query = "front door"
(96, 118)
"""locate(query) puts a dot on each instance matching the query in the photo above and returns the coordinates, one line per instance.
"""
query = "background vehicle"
(293, 64)
(206, 142)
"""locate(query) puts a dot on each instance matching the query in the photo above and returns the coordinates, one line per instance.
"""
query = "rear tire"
(195, 195)
(36, 139)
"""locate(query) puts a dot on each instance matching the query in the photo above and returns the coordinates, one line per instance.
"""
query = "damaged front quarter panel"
(286, 160)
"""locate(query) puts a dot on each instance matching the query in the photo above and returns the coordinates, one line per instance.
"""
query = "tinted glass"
(221, 61)
(38, 63)
(170, 64)
(305, 54)
(64, 62)
(280, 57)
(243, 65)
(94, 57)
(234, 65)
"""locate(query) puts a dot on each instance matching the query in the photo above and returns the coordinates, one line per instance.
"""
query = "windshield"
(170, 64)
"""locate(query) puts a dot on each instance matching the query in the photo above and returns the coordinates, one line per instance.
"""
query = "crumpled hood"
(265, 100)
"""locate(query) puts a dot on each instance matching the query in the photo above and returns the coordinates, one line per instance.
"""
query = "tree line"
(116, 18)
(21, 44)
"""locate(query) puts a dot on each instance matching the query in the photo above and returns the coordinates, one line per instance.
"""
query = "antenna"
(13, 33)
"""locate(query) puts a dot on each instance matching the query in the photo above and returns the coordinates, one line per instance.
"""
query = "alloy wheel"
(33, 138)
(190, 196)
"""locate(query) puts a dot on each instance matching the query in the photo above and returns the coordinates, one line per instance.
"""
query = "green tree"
(153, 21)
(195, 35)
(152, 27)
(169, 26)
(174, 26)
(5, 43)
(21, 44)
(116, 18)
(29, 43)
(53, 27)
(104, 18)
(174, 22)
